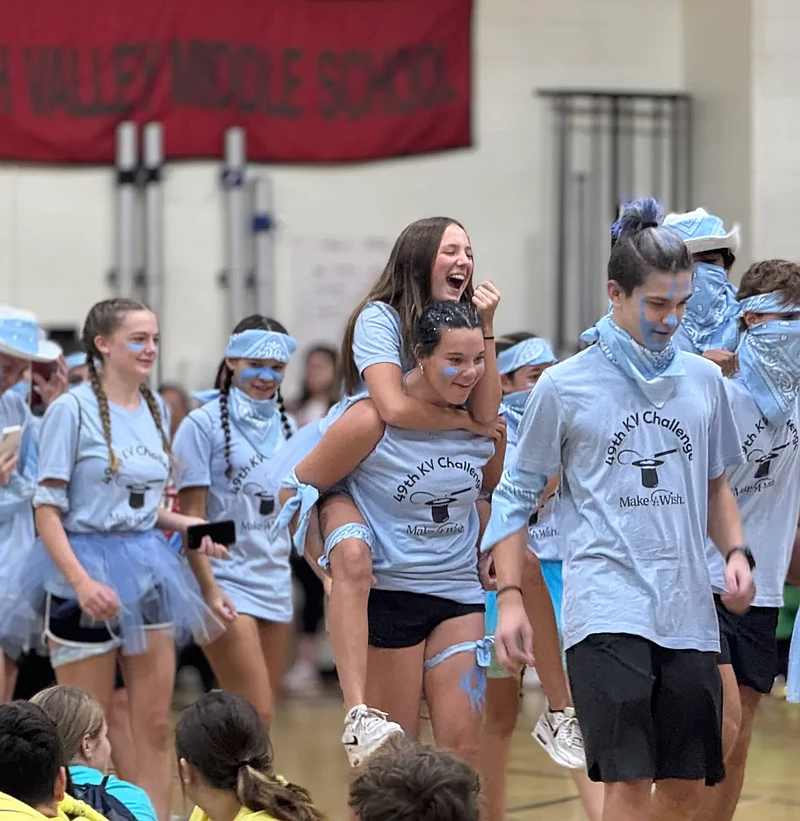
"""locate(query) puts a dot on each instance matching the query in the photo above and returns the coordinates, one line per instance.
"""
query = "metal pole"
(688, 143)
(233, 178)
(616, 188)
(586, 280)
(153, 150)
(263, 230)
(563, 112)
(124, 277)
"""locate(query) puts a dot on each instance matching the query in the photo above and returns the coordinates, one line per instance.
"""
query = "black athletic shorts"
(647, 712)
(748, 643)
(66, 622)
(399, 619)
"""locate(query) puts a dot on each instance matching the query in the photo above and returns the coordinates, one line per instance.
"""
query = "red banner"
(310, 80)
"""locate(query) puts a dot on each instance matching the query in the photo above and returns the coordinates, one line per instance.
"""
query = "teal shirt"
(133, 797)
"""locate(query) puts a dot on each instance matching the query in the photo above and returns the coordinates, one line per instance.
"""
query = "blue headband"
(76, 360)
(261, 345)
(535, 351)
(772, 303)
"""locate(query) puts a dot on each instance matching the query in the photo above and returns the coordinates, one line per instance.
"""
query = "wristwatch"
(746, 552)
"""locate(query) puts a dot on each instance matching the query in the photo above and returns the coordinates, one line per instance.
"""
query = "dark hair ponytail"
(640, 244)
(221, 735)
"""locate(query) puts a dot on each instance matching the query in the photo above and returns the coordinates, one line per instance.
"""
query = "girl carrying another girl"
(223, 450)
(115, 590)
(417, 492)
(431, 259)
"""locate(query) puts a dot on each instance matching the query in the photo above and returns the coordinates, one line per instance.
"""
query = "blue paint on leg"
(473, 683)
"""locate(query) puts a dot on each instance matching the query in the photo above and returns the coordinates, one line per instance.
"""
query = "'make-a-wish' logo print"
(766, 458)
(422, 488)
(646, 466)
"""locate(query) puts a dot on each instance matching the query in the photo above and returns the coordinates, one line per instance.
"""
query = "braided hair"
(256, 322)
(104, 319)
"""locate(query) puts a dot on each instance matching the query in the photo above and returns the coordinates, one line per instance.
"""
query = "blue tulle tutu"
(139, 567)
(793, 676)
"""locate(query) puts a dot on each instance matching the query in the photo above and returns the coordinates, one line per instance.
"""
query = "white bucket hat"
(21, 337)
(702, 231)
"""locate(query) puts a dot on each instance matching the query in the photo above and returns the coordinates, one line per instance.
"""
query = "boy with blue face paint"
(642, 434)
(223, 450)
(764, 398)
(710, 324)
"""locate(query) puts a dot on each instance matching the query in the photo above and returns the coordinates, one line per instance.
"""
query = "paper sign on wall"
(329, 278)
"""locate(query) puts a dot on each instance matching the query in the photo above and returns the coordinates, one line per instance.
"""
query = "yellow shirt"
(13, 810)
(73, 808)
(243, 815)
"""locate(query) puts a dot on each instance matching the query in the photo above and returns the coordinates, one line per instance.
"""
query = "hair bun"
(637, 216)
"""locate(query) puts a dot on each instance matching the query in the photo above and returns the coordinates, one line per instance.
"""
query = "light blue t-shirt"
(72, 448)
(16, 513)
(257, 576)
(133, 797)
(377, 338)
(635, 495)
(417, 491)
(767, 490)
(543, 534)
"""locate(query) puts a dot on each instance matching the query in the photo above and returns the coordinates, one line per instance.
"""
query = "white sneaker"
(365, 731)
(303, 680)
(559, 735)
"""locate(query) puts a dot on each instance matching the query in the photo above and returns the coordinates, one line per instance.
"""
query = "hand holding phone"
(10, 439)
(209, 533)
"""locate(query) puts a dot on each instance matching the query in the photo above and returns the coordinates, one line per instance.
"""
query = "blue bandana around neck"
(712, 313)
(653, 372)
(769, 358)
(258, 420)
(512, 406)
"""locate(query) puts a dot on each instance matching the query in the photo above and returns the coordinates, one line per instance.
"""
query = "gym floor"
(306, 736)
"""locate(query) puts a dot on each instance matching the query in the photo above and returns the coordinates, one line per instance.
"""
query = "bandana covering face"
(769, 358)
(653, 372)
(711, 315)
(512, 406)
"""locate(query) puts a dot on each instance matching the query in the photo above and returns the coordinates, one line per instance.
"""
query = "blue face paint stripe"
(267, 374)
(135, 346)
(449, 371)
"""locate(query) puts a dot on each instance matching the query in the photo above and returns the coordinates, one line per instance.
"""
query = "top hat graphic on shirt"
(137, 489)
(648, 466)
(439, 505)
(764, 460)
(266, 500)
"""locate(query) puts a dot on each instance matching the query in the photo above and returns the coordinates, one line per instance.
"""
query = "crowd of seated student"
(225, 765)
